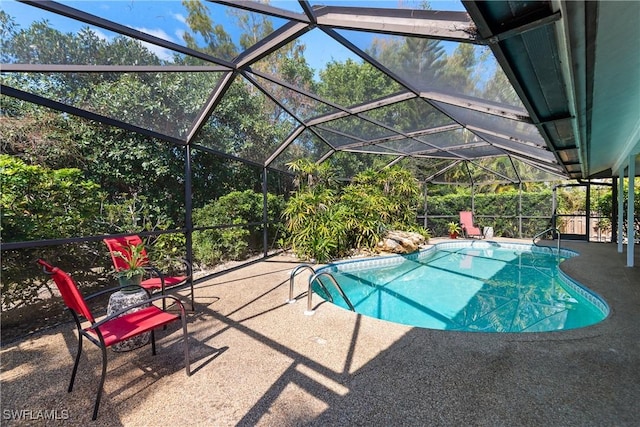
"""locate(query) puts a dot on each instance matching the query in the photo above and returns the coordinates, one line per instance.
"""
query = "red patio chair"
(115, 328)
(468, 227)
(157, 281)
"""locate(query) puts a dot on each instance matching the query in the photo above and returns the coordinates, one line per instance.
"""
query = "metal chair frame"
(103, 333)
(158, 280)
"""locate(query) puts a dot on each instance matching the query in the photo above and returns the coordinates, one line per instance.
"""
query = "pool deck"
(257, 360)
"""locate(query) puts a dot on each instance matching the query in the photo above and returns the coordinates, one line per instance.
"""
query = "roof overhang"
(577, 76)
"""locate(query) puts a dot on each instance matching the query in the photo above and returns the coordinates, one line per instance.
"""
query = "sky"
(166, 19)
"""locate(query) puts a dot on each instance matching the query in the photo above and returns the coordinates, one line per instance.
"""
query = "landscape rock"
(400, 242)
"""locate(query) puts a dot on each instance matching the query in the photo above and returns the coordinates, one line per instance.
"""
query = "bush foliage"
(213, 245)
(497, 210)
(38, 203)
(325, 222)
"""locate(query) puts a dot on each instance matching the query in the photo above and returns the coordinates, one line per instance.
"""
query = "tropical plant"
(454, 228)
(324, 222)
(135, 260)
(309, 175)
(316, 224)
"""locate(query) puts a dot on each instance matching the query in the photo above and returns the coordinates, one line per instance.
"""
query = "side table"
(118, 301)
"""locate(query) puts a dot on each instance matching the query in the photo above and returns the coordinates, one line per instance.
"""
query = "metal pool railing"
(315, 276)
(295, 271)
(542, 233)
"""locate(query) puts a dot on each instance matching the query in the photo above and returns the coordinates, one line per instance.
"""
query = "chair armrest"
(138, 304)
(187, 266)
(154, 271)
(157, 272)
(102, 292)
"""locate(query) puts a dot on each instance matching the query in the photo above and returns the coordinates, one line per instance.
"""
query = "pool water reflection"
(469, 286)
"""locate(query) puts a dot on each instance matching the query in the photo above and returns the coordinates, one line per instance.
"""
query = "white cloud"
(160, 33)
(160, 52)
(180, 17)
(180, 34)
(100, 34)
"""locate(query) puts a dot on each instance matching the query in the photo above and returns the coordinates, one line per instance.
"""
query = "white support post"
(631, 238)
(620, 207)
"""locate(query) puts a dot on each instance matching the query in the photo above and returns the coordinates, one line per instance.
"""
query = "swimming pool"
(474, 286)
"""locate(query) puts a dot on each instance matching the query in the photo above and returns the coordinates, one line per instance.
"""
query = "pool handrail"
(544, 232)
(312, 279)
(295, 271)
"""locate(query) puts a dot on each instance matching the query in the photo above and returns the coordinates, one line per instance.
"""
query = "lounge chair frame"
(469, 229)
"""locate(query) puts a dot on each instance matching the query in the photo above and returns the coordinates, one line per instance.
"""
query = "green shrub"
(167, 251)
(497, 210)
(211, 246)
(316, 224)
(324, 222)
(38, 204)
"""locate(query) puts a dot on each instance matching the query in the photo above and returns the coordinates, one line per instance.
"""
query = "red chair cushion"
(133, 324)
(156, 283)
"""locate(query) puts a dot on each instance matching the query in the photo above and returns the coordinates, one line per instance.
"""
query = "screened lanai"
(443, 87)
(447, 117)
(142, 116)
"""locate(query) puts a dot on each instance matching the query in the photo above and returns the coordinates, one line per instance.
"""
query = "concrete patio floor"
(257, 360)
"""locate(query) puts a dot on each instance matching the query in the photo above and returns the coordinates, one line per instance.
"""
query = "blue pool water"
(468, 286)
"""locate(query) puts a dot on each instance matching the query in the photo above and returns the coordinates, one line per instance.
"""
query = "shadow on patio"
(260, 361)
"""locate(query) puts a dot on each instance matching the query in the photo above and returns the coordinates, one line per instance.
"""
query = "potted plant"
(454, 229)
(134, 260)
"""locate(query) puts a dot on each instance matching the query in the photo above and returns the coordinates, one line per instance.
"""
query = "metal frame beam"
(452, 26)
(88, 18)
(74, 68)
(533, 25)
(212, 102)
(407, 135)
(271, 43)
(265, 9)
(506, 137)
(46, 102)
(476, 104)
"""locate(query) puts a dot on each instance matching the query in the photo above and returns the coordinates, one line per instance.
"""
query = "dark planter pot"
(130, 285)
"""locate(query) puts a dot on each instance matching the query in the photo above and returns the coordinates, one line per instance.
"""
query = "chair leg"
(76, 363)
(153, 342)
(162, 290)
(193, 307)
(101, 386)
(185, 343)
(164, 304)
